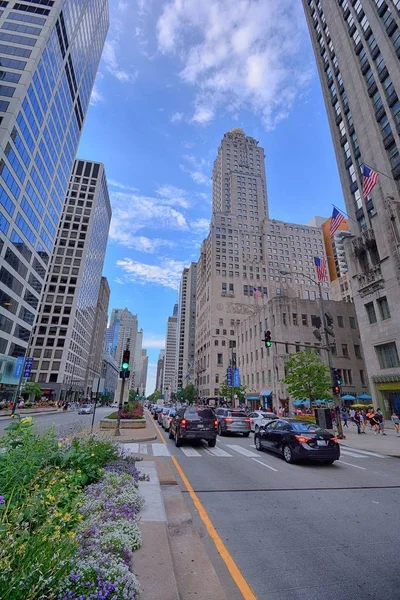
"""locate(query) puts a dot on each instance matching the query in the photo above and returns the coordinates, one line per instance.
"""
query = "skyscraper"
(143, 373)
(160, 371)
(357, 49)
(67, 356)
(186, 326)
(169, 373)
(124, 326)
(49, 56)
(99, 329)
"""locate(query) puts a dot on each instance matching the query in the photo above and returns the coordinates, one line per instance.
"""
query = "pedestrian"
(357, 421)
(377, 419)
(396, 422)
(352, 413)
(363, 420)
(344, 417)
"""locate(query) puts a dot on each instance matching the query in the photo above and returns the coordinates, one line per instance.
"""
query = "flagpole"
(380, 172)
(345, 213)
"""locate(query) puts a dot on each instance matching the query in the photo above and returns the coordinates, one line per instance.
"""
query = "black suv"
(194, 423)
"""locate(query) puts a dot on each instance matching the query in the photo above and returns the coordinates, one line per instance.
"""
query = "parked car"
(296, 440)
(260, 417)
(167, 418)
(232, 421)
(85, 409)
(194, 423)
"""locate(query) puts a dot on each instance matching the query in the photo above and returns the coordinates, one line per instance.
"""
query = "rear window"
(195, 413)
(268, 416)
(310, 427)
(236, 413)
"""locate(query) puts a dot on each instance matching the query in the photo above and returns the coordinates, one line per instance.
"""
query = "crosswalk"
(232, 450)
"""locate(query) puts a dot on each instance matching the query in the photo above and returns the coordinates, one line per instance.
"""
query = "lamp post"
(327, 348)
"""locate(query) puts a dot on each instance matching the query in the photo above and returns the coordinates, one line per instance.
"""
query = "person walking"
(376, 420)
(344, 417)
(363, 420)
(352, 413)
(396, 422)
(357, 421)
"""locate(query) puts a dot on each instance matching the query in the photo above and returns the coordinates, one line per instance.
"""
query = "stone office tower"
(49, 55)
(357, 49)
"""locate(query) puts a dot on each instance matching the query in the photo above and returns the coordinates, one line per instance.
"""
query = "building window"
(219, 358)
(340, 321)
(362, 377)
(304, 320)
(352, 321)
(345, 350)
(357, 351)
(371, 312)
(387, 355)
(383, 308)
(294, 319)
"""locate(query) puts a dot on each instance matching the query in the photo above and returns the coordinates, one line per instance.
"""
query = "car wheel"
(288, 454)
(328, 462)
(257, 442)
(170, 435)
(246, 434)
(212, 443)
(220, 429)
(178, 441)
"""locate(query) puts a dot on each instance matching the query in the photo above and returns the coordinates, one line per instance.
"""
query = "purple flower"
(2, 500)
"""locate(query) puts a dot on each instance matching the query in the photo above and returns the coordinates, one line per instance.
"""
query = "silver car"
(260, 417)
(232, 420)
(167, 418)
(85, 409)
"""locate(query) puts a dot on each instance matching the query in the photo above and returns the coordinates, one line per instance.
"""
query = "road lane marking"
(160, 450)
(264, 464)
(347, 453)
(143, 449)
(232, 567)
(217, 452)
(241, 450)
(190, 452)
(355, 466)
(366, 452)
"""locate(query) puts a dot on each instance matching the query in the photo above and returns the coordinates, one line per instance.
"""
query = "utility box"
(323, 418)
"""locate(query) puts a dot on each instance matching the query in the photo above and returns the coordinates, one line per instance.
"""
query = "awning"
(252, 397)
(364, 397)
(348, 397)
(266, 393)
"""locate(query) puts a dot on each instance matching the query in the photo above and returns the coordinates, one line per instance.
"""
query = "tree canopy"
(307, 377)
(226, 390)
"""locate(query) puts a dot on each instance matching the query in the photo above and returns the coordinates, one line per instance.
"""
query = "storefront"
(253, 401)
(388, 394)
(266, 400)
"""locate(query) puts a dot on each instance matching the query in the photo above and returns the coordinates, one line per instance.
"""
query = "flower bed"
(68, 518)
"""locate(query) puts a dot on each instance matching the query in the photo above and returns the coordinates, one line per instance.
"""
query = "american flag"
(336, 219)
(257, 293)
(320, 265)
(370, 179)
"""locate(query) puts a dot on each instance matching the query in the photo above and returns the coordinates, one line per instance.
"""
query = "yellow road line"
(232, 567)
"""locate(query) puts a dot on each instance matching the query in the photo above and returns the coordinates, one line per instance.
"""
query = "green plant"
(226, 390)
(307, 418)
(33, 389)
(307, 376)
(87, 456)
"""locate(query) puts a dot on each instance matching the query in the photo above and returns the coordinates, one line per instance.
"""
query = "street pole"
(121, 400)
(233, 381)
(95, 403)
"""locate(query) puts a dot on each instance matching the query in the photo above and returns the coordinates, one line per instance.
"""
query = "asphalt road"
(65, 423)
(299, 531)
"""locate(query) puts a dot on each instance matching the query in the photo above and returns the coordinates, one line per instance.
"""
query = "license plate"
(321, 442)
(199, 426)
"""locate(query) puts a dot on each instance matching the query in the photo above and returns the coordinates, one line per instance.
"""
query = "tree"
(154, 396)
(307, 376)
(226, 391)
(189, 393)
(33, 389)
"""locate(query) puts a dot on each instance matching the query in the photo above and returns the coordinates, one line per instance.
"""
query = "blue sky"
(174, 77)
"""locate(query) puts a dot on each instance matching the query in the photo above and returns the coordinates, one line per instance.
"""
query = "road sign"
(28, 367)
(236, 378)
(229, 375)
(18, 367)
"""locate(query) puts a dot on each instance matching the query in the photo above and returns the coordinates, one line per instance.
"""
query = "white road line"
(260, 462)
(131, 448)
(217, 452)
(241, 450)
(355, 466)
(366, 452)
(160, 450)
(143, 449)
(347, 453)
(190, 452)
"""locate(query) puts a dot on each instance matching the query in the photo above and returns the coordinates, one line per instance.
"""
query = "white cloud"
(167, 273)
(153, 341)
(112, 64)
(121, 186)
(177, 117)
(197, 176)
(196, 169)
(249, 57)
(96, 96)
(172, 196)
(200, 225)
(119, 281)
(141, 243)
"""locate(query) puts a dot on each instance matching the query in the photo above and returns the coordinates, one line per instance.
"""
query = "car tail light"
(215, 423)
(169, 418)
(247, 420)
(183, 422)
(228, 419)
(302, 439)
(334, 440)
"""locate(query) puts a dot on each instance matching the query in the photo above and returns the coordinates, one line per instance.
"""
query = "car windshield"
(172, 412)
(87, 406)
(237, 413)
(268, 416)
(303, 426)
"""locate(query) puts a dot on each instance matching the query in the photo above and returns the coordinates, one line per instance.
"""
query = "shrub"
(133, 410)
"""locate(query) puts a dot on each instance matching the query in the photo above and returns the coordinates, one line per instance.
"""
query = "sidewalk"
(148, 434)
(388, 444)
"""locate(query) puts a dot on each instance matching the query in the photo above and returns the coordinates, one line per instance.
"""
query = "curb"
(28, 414)
(137, 440)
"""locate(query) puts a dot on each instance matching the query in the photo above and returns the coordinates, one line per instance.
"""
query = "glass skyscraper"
(49, 55)
(357, 49)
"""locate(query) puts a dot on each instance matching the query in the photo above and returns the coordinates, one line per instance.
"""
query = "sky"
(176, 75)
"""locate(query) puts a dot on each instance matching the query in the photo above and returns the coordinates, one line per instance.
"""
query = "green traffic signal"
(125, 360)
(267, 339)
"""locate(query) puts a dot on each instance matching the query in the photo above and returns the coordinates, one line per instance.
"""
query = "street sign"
(229, 375)
(18, 366)
(236, 378)
(28, 367)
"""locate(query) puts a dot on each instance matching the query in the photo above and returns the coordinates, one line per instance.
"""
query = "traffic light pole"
(120, 405)
(124, 375)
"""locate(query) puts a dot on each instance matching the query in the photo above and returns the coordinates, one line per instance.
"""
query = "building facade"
(186, 326)
(357, 49)
(66, 357)
(49, 57)
(137, 361)
(292, 321)
(123, 329)
(160, 371)
(143, 373)
(110, 374)
(169, 383)
(242, 259)
(99, 330)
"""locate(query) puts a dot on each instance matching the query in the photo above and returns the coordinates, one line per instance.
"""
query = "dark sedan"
(194, 423)
(297, 440)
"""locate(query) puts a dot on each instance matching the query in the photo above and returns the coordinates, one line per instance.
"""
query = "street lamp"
(327, 346)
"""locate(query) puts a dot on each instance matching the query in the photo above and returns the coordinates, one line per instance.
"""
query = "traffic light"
(336, 390)
(337, 376)
(125, 360)
(267, 339)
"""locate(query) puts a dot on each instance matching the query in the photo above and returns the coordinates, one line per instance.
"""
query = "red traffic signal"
(125, 360)
(336, 390)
